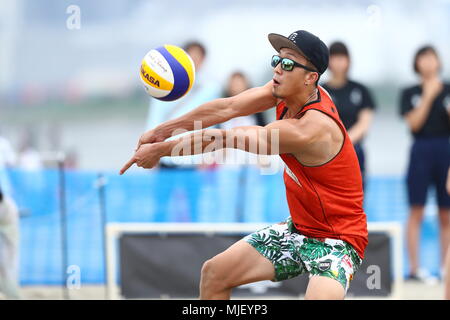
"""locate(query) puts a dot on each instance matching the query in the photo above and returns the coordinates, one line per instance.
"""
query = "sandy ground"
(410, 291)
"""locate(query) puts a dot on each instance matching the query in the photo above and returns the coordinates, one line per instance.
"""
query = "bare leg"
(413, 236)
(444, 226)
(323, 288)
(447, 275)
(239, 264)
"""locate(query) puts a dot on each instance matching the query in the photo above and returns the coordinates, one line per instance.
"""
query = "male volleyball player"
(326, 233)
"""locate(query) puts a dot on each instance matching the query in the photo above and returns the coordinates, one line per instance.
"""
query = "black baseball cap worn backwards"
(305, 43)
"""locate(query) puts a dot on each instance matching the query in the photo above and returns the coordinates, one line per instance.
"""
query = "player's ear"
(311, 78)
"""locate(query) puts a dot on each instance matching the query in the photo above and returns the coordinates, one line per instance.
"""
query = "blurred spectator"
(203, 90)
(71, 159)
(447, 259)
(8, 158)
(9, 247)
(352, 99)
(7, 153)
(237, 83)
(426, 109)
(29, 158)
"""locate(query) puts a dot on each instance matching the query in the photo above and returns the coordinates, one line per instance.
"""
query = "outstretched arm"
(213, 112)
(283, 136)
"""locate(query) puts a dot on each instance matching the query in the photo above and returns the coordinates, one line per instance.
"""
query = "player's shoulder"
(318, 124)
(317, 118)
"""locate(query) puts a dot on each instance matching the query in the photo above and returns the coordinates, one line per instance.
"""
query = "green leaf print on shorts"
(293, 254)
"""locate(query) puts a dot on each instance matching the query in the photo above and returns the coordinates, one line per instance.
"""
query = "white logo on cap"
(293, 36)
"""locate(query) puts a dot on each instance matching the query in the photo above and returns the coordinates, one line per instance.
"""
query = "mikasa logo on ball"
(149, 78)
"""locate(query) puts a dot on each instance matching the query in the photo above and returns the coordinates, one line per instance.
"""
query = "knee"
(207, 269)
(212, 276)
(416, 214)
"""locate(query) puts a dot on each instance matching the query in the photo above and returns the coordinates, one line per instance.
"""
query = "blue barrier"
(167, 196)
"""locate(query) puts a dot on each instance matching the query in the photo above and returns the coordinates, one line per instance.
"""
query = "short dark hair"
(195, 44)
(423, 50)
(339, 48)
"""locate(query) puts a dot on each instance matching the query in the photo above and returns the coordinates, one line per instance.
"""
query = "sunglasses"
(288, 64)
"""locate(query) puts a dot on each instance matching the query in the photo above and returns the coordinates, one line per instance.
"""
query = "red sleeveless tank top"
(326, 201)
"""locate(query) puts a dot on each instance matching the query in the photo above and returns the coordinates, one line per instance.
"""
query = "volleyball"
(167, 73)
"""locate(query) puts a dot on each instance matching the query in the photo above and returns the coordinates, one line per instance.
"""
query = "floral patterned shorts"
(293, 254)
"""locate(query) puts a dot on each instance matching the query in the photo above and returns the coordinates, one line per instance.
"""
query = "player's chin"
(277, 93)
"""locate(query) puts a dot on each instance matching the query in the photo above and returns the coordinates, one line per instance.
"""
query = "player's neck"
(297, 102)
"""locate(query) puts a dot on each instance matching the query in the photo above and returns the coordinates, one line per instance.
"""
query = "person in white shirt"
(9, 248)
(203, 90)
(8, 159)
(172, 190)
(29, 157)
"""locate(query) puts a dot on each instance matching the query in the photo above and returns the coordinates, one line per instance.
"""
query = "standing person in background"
(237, 83)
(426, 109)
(352, 99)
(29, 157)
(239, 159)
(447, 258)
(170, 188)
(8, 159)
(203, 90)
(9, 225)
(9, 247)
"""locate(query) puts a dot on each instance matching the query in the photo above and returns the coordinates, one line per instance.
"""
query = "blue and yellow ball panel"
(167, 73)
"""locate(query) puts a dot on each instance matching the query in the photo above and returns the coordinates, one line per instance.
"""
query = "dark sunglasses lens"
(287, 64)
(275, 61)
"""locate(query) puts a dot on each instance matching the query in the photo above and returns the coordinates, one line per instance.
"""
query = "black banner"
(168, 266)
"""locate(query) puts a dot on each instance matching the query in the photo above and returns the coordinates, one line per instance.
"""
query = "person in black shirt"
(352, 99)
(447, 255)
(426, 109)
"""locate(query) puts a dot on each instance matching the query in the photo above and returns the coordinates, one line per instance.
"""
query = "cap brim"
(278, 42)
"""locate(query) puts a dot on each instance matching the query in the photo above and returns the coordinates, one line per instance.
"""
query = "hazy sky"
(115, 35)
